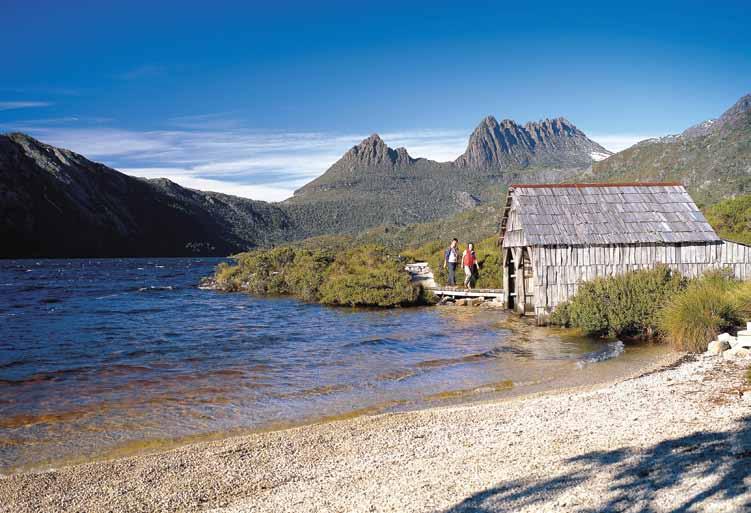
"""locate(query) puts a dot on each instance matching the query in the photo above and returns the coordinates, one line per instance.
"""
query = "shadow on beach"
(640, 479)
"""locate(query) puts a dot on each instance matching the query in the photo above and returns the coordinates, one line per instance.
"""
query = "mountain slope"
(713, 158)
(57, 203)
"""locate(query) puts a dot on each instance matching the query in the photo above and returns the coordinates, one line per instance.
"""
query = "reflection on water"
(101, 354)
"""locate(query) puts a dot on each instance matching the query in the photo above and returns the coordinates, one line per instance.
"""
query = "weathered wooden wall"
(560, 269)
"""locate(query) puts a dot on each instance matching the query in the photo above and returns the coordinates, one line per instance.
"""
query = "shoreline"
(491, 392)
(573, 448)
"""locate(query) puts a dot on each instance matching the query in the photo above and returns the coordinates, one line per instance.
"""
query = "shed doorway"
(511, 273)
(528, 286)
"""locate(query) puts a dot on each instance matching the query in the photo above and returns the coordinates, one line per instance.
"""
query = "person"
(469, 262)
(450, 260)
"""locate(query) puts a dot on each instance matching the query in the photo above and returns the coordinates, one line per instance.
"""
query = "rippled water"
(101, 354)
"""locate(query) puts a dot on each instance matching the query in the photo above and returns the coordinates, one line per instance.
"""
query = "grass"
(700, 312)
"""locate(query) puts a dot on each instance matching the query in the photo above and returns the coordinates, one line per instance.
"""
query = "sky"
(258, 98)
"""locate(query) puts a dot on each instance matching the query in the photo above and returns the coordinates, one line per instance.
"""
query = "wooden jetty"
(422, 274)
(461, 292)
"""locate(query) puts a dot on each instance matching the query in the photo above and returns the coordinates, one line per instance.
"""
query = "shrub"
(227, 276)
(623, 305)
(306, 274)
(561, 316)
(696, 315)
(732, 218)
(367, 276)
(364, 275)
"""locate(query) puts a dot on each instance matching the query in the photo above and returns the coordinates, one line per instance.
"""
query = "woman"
(469, 262)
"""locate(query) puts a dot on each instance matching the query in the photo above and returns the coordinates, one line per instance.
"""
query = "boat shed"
(556, 236)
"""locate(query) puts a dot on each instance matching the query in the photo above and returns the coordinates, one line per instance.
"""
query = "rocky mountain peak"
(507, 144)
(373, 152)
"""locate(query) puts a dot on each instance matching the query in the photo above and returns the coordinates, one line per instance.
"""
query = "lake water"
(103, 357)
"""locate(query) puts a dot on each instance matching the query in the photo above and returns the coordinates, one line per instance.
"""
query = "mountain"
(712, 158)
(54, 202)
(374, 184)
(552, 142)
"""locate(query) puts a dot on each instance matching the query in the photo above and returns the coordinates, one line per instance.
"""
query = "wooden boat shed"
(556, 236)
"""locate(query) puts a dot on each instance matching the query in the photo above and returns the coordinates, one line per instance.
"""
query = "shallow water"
(97, 355)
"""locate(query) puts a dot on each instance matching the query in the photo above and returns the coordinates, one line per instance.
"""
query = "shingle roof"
(576, 214)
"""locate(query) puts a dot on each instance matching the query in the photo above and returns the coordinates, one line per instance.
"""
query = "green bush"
(228, 277)
(731, 218)
(561, 316)
(364, 275)
(306, 274)
(696, 315)
(623, 305)
(367, 276)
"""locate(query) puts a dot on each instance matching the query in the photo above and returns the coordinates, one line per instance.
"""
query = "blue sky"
(256, 98)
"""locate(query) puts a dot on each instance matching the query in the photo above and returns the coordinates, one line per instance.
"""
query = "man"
(450, 260)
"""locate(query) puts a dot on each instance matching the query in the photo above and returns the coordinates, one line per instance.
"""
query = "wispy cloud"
(619, 142)
(266, 165)
(22, 105)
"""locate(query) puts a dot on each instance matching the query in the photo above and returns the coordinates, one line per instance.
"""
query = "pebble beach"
(676, 437)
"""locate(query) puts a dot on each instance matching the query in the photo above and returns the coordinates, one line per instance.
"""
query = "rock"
(476, 301)
(742, 341)
(736, 352)
(725, 337)
(746, 396)
(718, 346)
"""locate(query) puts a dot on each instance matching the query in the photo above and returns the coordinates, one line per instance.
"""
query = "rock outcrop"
(551, 142)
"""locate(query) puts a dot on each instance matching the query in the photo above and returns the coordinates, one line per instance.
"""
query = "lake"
(106, 357)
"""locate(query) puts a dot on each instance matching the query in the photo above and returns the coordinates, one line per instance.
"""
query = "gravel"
(678, 437)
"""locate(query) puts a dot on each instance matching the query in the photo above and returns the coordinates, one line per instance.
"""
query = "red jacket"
(469, 259)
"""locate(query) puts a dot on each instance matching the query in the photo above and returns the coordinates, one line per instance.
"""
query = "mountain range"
(57, 203)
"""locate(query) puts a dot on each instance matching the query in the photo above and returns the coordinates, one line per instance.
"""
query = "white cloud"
(22, 105)
(267, 165)
(184, 178)
(104, 142)
(439, 145)
(619, 142)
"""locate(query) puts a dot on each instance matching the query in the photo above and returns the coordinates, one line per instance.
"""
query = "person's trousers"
(452, 273)
(467, 276)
